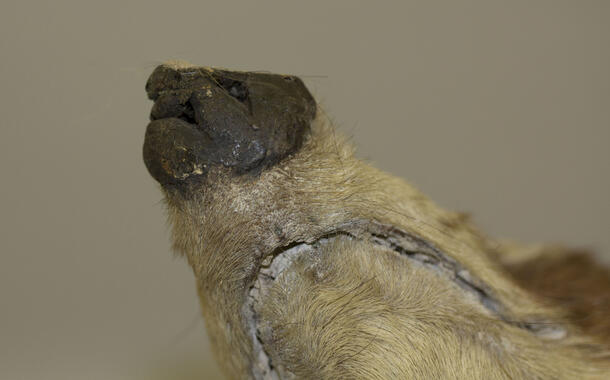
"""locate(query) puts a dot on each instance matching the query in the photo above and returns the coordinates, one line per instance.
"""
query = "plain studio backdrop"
(500, 109)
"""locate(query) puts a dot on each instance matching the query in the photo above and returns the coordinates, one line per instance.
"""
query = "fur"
(325, 267)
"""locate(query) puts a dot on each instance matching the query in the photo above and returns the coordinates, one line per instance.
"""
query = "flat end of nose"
(205, 117)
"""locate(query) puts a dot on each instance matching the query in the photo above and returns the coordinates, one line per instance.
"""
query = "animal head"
(312, 264)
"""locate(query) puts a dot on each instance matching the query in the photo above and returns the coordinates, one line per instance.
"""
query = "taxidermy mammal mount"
(310, 264)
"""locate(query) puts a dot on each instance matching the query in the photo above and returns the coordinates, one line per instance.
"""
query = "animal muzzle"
(205, 117)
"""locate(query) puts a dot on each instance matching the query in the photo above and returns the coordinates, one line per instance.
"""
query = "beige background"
(497, 108)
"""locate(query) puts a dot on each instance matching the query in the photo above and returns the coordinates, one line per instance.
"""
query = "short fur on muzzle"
(311, 264)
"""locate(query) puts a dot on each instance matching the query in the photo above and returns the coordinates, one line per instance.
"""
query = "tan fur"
(360, 311)
(352, 305)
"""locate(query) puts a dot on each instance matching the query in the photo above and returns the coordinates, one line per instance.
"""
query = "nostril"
(188, 114)
(174, 104)
(235, 88)
(239, 92)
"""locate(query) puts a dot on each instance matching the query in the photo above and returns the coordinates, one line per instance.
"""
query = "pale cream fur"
(373, 313)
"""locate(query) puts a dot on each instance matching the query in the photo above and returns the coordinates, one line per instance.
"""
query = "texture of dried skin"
(388, 284)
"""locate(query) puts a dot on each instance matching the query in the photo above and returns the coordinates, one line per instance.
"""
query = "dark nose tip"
(204, 117)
